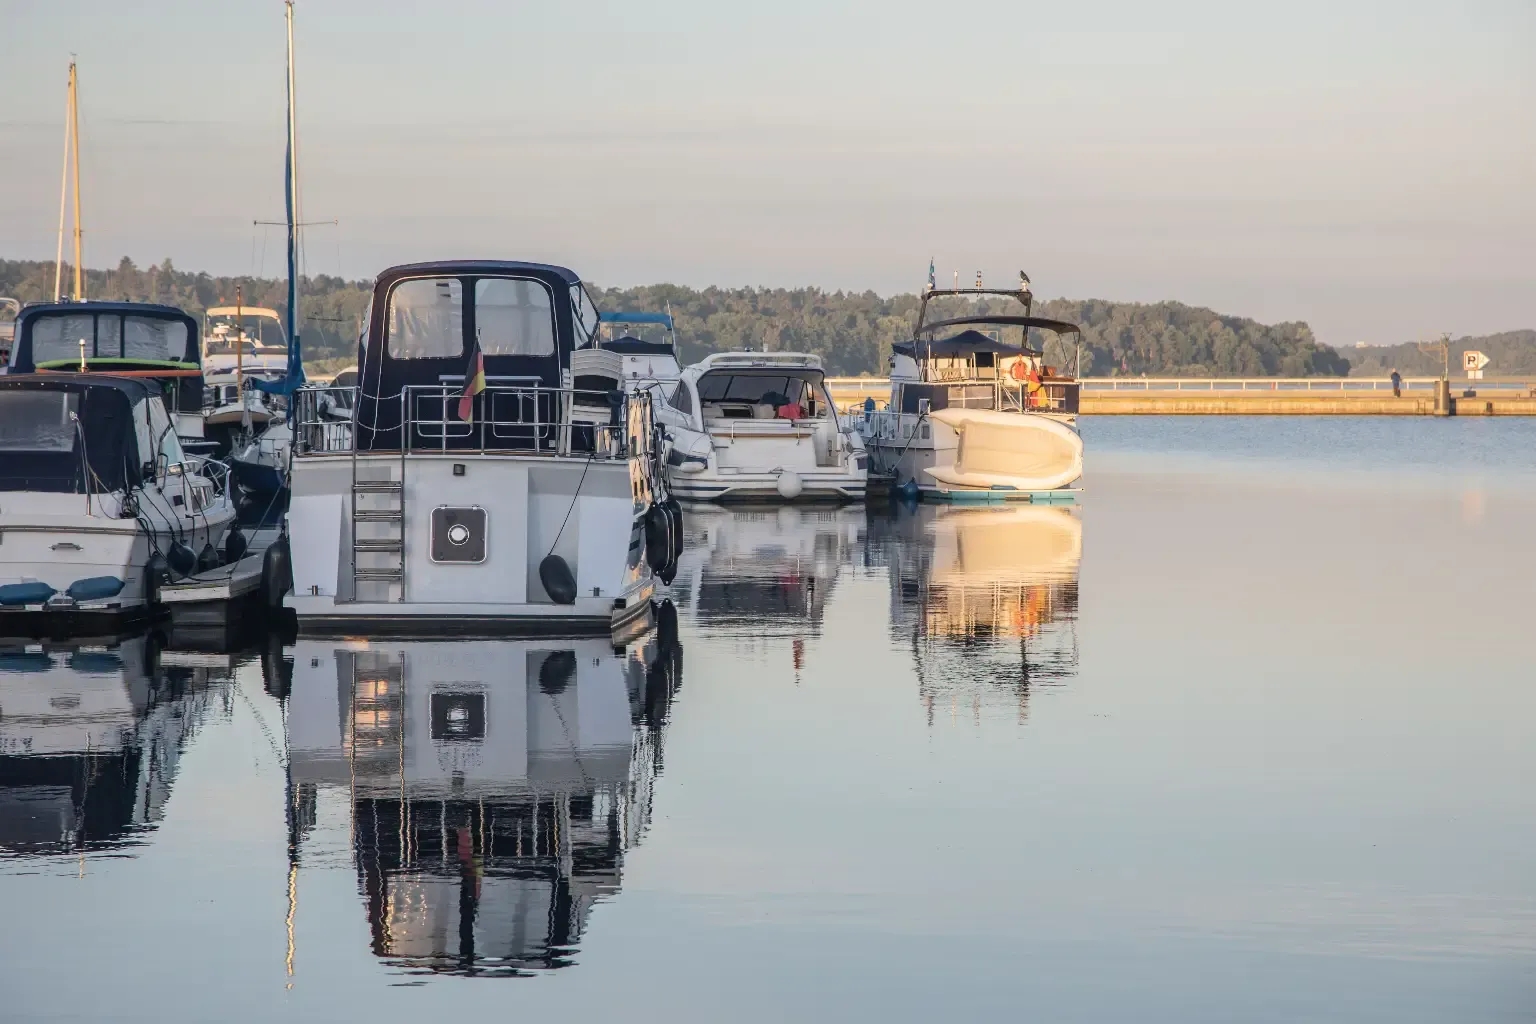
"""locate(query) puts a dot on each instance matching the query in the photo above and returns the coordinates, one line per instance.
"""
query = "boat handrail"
(523, 419)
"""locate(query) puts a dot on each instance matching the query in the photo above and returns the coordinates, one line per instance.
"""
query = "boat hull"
(351, 576)
(975, 455)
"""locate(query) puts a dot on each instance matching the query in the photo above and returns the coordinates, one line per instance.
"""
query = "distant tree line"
(851, 331)
(1509, 353)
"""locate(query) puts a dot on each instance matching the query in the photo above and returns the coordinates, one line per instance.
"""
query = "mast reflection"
(765, 569)
(91, 735)
(987, 598)
(494, 786)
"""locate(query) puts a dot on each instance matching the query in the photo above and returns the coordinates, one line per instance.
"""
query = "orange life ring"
(1019, 370)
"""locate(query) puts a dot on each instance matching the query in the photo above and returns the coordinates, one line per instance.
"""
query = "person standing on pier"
(1397, 384)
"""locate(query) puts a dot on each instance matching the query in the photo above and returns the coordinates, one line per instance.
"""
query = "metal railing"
(848, 390)
(522, 419)
(1293, 384)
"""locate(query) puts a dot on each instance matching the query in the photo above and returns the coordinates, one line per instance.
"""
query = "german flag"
(474, 383)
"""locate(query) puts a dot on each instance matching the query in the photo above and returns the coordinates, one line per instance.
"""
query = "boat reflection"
(765, 569)
(91, 734)
(494, 786)
(987, 597)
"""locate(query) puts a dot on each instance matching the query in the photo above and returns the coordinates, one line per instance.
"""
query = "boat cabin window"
(584, 313)
(514, 317)
(682, 399)
(38, 421)
(164, 433)
(144, 338)
(757, 396)
(426, 319)
(56, 339)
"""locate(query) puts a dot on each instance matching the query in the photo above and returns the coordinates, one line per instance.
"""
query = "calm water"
(1248, 737)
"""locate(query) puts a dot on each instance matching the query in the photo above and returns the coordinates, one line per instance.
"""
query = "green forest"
(1509, 353)
(851, 331)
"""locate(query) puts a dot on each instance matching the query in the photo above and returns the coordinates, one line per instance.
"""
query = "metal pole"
(74, 124)
(58, 259)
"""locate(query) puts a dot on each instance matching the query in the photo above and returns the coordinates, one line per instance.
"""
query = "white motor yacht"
(977, 412)
(760, 426)
(494, 479)
(98, 502)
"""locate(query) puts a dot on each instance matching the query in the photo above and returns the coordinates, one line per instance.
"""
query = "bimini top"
(55, 425)
(117, 336)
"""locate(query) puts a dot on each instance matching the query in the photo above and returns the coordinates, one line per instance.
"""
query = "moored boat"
(99, 503)
(491, 478)
(976, 411)
(760, 426)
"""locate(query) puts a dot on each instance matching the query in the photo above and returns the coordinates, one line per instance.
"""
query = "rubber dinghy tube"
(558, 582)
(276, 574)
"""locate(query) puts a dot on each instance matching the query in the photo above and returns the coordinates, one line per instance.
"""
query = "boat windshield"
(759, 395)
(38, 421)
(263, 332)
(61, 338)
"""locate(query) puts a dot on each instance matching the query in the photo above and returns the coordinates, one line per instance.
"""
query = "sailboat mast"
(295, 362)
(74, 127)
(58, 258)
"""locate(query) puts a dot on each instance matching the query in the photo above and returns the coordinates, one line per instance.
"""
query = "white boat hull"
(971, 454)
(43, 543)
(350, 576)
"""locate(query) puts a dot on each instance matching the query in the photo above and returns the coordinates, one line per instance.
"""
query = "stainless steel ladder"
(378, 527)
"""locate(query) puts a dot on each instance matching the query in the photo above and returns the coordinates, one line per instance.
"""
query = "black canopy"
(963, 344)
(41, 446)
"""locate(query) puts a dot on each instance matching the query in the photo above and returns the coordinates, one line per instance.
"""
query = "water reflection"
(91, 734)
(764, 568)
(986, 598)
(494, 786)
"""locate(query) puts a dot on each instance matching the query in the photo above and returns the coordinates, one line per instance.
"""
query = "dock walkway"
(1259, 396)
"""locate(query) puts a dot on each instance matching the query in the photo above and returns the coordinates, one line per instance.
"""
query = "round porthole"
(458, 535)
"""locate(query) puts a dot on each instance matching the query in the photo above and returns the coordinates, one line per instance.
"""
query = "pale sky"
(1364, 166)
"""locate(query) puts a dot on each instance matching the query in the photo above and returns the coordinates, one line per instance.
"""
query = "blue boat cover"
(636, 318)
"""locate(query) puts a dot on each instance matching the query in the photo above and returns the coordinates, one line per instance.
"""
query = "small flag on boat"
(932, 281)
(474, 383)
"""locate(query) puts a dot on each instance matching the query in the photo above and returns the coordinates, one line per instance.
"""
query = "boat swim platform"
(1258, 396)
(206, 596)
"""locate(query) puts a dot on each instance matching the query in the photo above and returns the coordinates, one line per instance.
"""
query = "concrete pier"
(1346, 396)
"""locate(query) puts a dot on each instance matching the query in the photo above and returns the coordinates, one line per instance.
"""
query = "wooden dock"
(1258, 396)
